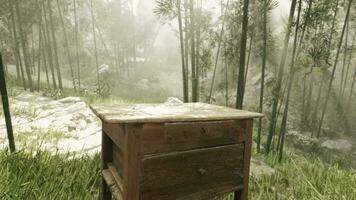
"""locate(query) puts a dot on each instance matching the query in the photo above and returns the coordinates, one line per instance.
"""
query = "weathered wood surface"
(132, 162)
(110, 181)
(162, 138)
(199, 173)
(162, 113)
(106, 157)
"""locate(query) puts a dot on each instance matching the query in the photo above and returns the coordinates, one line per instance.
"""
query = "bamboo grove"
(47, 39)
(307, 84)
(305, 74)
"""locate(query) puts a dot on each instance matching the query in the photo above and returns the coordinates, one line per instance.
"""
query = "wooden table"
(189, 151)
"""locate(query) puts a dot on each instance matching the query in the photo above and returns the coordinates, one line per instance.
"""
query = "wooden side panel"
(116, 133)
(106, 157)
(117, 160)
(132, 162)
(169, 137)
(194, 174)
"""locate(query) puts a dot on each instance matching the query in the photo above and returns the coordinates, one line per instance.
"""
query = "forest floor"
(59, 142)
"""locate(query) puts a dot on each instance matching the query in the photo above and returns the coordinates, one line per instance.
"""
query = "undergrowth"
(42, 175)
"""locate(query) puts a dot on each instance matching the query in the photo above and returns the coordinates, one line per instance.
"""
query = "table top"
(169, 112)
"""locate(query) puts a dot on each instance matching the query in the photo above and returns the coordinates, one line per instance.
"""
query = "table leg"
(106, 153)
(243, 194)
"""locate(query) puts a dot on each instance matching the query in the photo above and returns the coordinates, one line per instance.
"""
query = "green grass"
(42, 175)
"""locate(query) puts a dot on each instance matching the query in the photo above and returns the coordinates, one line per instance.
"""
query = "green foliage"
(41, 175)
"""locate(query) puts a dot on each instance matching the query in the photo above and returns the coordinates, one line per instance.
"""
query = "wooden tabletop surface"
(176, 112)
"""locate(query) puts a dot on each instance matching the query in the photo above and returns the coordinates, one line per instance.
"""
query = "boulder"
(258, 169)
(339, 145)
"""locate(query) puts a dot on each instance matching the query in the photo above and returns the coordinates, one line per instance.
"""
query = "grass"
(305, 174)
(42, 175)
(38, 137)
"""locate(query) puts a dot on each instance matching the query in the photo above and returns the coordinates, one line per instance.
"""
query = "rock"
(70, 100)
(260, 169)
(339, 145)
(70, 116)
(303, 139)
(173, 100)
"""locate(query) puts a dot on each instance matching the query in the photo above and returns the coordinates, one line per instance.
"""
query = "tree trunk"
(5, 103)
(186, 45)
(241, 79)
(76, 43)
(344, 60)
(263, 71)
(348, 67)
(334, 68)
(277, 89)
(217, 54)
(24, 46)
(197, 54)
(47, 42)
(95, 47)
(66, 44)
(248, 58)
(19, 66)
(39, 58)
(290, 85)
(192, 50)
(54, 42)
(181, 39)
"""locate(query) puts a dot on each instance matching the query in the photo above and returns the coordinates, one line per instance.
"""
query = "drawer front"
(192, 174)
(170, 137)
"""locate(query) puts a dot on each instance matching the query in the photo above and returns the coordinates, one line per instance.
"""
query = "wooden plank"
(117, 177)
(161, 113)
(202, 172)
(116, 133)
(132, 164)
(168, 137)
(243, 194)
(106, 157)
(110, 181)
(117, 160)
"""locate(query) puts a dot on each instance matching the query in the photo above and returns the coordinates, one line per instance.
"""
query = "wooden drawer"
(170, 137)
(200, 173)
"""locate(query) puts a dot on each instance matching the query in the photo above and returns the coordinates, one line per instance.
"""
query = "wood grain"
(132, 162)
(243, 194)
(106, 157)
(169, 137)
(201, 173)
(116, 133)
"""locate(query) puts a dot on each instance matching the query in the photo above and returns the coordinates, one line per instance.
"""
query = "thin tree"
(5, 103)
(218, 51)
(95, 46)
(181, 40)
(47, 42)
(334, 68)
(54, 42)
(76, 31)
(19, 66)
(193, 51)
(241, 78)
(66, 44)
(290, 85)
(278, 86)
(263, 72)
(186, 40)
(24, 46)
